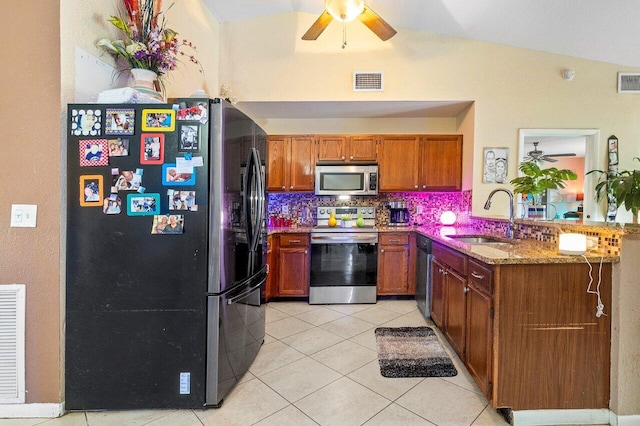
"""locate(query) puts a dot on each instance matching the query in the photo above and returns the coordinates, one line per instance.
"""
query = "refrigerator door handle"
(259, 198)
(259, 278)
(246, 201)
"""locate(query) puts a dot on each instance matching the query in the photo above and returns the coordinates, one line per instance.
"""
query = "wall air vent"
(12, 343)
(368, 81)
(628, 82)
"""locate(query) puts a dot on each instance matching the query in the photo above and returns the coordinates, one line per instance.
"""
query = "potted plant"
(620, 187)
(536, 180)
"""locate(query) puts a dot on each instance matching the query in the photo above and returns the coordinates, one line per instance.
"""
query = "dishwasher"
(423, 275)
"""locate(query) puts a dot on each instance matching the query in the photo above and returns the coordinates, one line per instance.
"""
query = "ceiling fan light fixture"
(344, 10)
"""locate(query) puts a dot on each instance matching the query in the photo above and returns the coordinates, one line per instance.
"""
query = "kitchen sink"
(479, 239)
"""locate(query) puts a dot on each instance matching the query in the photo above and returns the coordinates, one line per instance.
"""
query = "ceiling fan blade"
(318, 27)
(562, 155)
(549, 159)
(376, 24)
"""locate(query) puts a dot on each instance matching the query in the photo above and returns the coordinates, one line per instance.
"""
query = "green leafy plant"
(536, 180)
(620, 187)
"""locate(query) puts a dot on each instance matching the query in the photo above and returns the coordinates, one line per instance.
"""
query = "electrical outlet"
(592, 242)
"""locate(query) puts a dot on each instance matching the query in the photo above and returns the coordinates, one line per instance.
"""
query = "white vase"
(144, 81)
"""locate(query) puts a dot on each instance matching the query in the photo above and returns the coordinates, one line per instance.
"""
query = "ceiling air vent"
(368, 81)
(628, 82)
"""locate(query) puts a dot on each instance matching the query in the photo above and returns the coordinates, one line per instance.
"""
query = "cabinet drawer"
(294, 240)
(480, 276)
(391, 239)
(451, 258)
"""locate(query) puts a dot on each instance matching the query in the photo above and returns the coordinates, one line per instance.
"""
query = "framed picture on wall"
(495, 165)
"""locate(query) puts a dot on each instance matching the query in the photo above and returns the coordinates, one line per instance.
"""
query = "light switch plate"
(23, 215)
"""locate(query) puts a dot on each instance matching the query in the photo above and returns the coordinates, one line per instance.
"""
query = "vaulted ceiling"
(601, 30)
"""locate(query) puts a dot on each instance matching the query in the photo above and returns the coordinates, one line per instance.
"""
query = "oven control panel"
(341, 212)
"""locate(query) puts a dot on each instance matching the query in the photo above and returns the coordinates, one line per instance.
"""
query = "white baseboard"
(561, 417)
(632, 420)
(16, 411)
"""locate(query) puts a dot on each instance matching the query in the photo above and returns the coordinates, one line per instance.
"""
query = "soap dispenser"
(332, 220)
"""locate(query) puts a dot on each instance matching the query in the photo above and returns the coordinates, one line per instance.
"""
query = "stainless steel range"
(344, 260)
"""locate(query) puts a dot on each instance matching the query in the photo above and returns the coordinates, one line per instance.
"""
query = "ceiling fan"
(346, 11)
(537, 155)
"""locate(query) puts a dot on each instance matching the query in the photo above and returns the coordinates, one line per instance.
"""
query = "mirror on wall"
(575, 149)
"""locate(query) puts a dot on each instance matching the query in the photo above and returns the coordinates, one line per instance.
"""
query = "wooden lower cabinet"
(289, 259)
(396, 264)
(530, 337)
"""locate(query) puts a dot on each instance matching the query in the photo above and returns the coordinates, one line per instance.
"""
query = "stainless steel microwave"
(346, 179)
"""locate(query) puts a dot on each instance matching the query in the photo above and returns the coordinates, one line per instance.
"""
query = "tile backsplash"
(424, 208)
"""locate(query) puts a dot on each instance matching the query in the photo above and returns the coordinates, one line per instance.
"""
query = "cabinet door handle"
(351, 158)
(416, 186)
(424, 186)
(306, 251)
(478, 276)
(294, 241)
(283, 187)
(394, 241)
(381, 250)
(343, 157)
(466, 290)
(291, 187)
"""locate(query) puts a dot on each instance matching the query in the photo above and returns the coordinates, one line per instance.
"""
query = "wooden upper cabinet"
(346, 148)
(302, 164)
(398, 162)
(291, 163)
(441, 163)
(332, 148)
(363, 148)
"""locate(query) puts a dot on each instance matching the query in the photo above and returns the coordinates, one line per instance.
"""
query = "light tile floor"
(318, 366)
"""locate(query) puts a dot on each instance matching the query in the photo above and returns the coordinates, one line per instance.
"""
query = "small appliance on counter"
(399, 213)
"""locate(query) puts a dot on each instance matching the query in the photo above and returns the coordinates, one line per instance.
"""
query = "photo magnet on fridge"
(127, 180)
(171, 176)
(86, 122)
(91, 190)
(112, 205)
(168, 224)
(189, 137)
(118, 147)
(181, 200)
(152, 148)
(143, 204)
(158, 120)
(93, 152)
(120, 121)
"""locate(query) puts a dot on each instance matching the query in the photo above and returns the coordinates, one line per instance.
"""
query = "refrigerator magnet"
(171, 176)
(196, 111)
(181, 200)
(189, 137)
(158, 120)
(112, 205)
(93, 152)
(120, 121)
(127, 180)
(143, 204)
(118, 147)
(86, 122)
(152, 148)
(168, 224)
(91, 190)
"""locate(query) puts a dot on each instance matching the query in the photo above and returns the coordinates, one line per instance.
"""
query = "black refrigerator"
(165, 253)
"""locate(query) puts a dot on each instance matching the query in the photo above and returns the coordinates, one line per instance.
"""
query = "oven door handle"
(336, 239)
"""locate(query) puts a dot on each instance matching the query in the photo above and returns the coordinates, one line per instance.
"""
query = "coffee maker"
(398, 213)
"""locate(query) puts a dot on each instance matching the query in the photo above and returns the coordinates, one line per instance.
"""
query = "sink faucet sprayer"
(512, 224)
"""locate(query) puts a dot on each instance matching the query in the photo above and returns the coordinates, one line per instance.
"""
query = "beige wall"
(30, 160)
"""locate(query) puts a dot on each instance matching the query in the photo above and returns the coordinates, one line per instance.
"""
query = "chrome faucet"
(512, 225)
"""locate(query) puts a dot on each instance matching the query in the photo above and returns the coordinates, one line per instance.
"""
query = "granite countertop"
(512, 251)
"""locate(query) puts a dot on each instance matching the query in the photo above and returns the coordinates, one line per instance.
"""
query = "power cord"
(600, 307)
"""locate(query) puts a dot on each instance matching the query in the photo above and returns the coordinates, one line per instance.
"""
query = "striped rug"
(412, 352)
